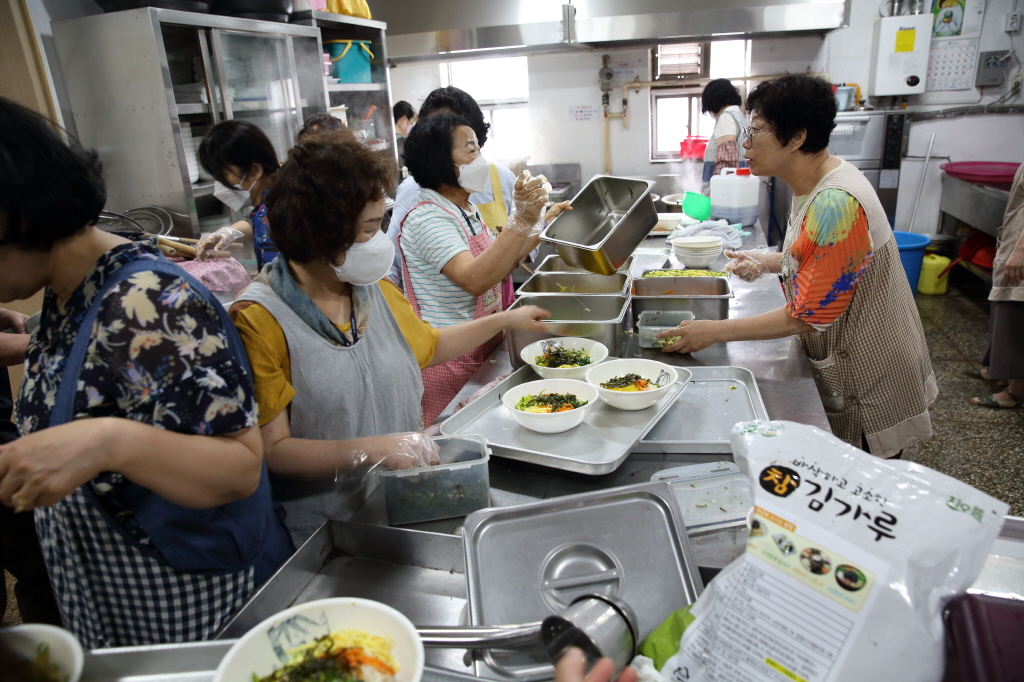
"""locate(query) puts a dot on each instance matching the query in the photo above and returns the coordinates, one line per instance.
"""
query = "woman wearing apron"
(337, 351)
(139, 453)
(847, 294)
(453, 269)
(722, 101)
(243, 162)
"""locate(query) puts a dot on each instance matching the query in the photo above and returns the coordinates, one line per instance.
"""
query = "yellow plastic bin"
(930, 283)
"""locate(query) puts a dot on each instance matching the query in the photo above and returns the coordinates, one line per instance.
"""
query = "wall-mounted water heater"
(899, 61)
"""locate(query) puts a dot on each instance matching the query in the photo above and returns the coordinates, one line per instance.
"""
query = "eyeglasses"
(750, 131)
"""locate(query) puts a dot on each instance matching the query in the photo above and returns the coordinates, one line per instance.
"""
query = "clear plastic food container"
(653, 322)
(459, 485)
(710, 495)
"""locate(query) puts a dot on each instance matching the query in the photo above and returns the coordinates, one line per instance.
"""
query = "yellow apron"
(495, 214)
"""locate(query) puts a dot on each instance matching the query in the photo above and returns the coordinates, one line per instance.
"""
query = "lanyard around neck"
(471, 230)
(352, 325)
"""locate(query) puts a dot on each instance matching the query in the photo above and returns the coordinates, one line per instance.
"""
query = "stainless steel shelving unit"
(368, 104)
(145, 85)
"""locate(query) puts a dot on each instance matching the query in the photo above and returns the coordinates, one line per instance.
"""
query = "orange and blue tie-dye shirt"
(831, 254)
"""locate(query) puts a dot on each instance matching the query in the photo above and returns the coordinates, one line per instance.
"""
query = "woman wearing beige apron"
(847, 294)
(453, 269)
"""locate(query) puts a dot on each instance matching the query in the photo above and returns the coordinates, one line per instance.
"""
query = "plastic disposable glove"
(529, 195)
(748, 265)
(211, 244)
(404, 451)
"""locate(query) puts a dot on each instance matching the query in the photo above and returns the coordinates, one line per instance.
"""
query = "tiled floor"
(983, 447)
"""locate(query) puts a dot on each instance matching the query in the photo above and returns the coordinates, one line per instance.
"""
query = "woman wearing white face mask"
(336, 356)
(243, 161)
(453, 268)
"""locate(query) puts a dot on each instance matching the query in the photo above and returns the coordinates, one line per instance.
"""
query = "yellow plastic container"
(930, 283)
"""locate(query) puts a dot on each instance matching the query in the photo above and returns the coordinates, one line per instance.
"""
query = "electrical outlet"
(1012, 22)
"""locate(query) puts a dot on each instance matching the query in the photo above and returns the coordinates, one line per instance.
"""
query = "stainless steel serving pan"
(554, 263)
(574, 284)
(597, 317)
(706, 297)
(610, 218)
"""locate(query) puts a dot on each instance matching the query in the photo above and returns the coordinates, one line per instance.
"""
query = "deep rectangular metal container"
(554, 263)
(706, 297)
(610, 217)
(574, 284)
(598, 317)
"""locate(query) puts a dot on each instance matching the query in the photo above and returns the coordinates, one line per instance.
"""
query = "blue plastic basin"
(912, 246)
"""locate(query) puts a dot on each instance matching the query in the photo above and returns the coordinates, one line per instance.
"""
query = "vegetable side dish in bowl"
(344, 639)
(550, 405)
(632, 384)
(564, 358)
(40, 653)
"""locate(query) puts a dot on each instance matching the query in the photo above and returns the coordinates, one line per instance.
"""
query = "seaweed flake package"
(850, 562)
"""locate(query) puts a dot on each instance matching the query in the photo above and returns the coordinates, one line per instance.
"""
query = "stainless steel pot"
(673, 203)
(599, 625)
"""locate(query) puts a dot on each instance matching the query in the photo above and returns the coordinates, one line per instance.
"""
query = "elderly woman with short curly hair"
(847, 295)
(336, 350)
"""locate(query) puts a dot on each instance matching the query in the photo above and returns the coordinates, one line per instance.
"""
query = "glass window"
(501, 86)
(675, 111)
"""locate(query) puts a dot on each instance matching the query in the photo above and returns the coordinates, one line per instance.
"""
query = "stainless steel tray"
(626, 542)
(554, 263)
(700, 418)
(597, 446)
(420, 574)
(575, 284)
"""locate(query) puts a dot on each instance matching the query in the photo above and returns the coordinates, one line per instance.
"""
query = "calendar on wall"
(953, 58)
(952, 65)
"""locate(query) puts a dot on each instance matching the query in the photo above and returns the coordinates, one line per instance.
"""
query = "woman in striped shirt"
(453, 269)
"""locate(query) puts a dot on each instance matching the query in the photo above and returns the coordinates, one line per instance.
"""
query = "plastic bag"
(750, 265)
(732, 237)
(352, 8)
(850, 563)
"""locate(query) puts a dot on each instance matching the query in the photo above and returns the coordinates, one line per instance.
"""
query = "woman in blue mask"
(336, 350)
(243, 162)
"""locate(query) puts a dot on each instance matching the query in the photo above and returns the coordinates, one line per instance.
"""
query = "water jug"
(930, 283)
(734, 196)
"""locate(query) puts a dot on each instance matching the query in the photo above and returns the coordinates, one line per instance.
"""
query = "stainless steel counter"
(783, 375)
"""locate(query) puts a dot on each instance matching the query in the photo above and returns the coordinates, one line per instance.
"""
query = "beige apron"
(1009, 233)
(871, 366)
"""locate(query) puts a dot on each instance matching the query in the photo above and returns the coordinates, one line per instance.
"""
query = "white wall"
(561, 81)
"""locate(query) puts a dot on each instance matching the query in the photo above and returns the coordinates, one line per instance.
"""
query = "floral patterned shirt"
(158, 355)
(833, 250)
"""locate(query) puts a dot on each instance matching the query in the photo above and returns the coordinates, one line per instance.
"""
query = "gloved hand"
(404, 451)
(211, 244)
(529, 195)
(748, 265)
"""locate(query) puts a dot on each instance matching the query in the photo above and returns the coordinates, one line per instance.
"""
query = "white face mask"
(475, 176)
(367, 262)
(235, 197)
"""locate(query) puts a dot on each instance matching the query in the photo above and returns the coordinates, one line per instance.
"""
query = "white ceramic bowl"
(648, 369)
(598, 353)
(264, 648)
(693, 261)
(555, 422)
(698, 242)
(65, 651)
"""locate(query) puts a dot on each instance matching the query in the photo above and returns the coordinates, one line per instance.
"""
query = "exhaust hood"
(420, 30)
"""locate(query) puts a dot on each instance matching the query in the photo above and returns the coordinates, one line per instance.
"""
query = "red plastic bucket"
(693, 147)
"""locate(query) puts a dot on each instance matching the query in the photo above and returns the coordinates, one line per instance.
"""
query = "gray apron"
(871, 365)
(371, 388)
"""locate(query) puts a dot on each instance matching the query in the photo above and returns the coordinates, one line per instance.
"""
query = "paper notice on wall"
(583, 112)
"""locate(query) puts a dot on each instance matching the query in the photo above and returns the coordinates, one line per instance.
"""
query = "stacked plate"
(697, 252)
(190, 153)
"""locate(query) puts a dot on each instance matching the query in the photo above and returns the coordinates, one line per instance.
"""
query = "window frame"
(692, 92)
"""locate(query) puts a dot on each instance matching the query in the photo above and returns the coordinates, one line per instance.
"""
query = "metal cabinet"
(365, 107)
(145, 86)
